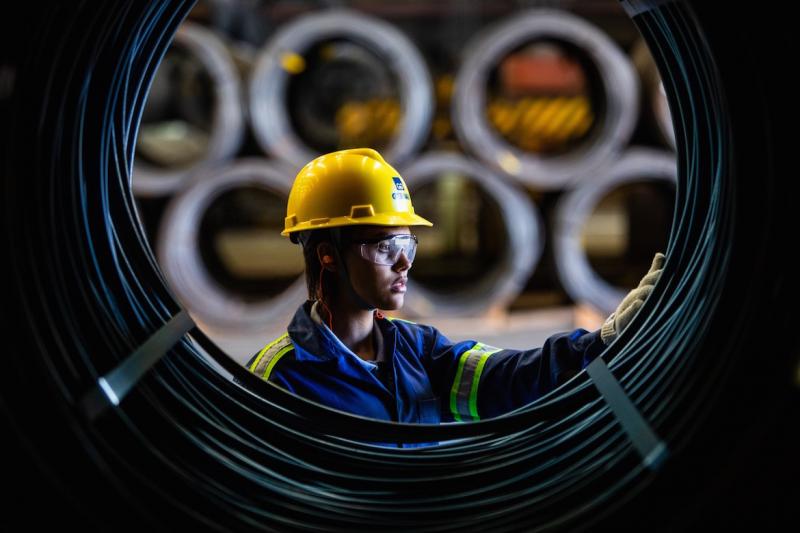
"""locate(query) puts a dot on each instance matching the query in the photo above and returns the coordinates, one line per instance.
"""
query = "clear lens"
(387, 251)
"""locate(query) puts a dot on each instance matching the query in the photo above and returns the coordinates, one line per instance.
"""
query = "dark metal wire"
(189, 448)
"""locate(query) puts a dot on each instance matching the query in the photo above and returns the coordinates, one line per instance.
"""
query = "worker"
(352, 214)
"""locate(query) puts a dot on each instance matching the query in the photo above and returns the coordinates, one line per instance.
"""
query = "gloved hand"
(627, 309)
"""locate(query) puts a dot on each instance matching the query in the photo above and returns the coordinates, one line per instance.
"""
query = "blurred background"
(536, 136)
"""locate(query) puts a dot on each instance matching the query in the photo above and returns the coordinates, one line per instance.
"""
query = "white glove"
(627, 309)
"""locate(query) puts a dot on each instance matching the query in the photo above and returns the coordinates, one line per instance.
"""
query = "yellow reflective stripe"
(454, 389)
(473, 393)
(266, 355)
(392, 319)
(264, 350)
(464, 392)
(275, 360)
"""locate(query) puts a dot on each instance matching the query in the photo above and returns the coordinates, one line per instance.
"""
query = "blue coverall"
(433, 379)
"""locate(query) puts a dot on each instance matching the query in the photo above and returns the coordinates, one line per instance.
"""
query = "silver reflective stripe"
(464, 393)
(273, 351)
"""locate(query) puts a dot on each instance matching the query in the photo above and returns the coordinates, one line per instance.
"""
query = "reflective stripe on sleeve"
(464, 393)
(270, 356)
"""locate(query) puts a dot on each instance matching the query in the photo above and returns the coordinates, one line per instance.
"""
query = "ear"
(326, 256)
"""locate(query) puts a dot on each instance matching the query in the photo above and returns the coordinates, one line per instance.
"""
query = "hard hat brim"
(395, 219)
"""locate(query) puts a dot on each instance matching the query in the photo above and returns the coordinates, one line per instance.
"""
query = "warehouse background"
(537, 137)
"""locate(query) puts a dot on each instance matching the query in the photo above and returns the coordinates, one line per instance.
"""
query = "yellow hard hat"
(347, 188)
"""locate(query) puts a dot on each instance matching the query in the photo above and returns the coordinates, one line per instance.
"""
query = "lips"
(399, 285)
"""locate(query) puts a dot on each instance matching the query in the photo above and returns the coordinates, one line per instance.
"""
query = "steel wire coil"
(183, 265)
(502, 282)
(619, 86)
(189, 448)
(580, 280)
(270, 78)
(227, 120)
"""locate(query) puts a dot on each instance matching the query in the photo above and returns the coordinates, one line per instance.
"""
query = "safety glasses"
(386, 250)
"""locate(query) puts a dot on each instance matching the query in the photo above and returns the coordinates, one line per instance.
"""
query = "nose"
(402, 262)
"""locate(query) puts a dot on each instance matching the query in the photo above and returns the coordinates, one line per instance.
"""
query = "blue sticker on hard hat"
(398, 183)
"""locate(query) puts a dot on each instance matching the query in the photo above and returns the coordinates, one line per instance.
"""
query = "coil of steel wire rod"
(617, 84)
(226, 123)
(574, 209)
(183, 264)
(503, 276)
(116, 419)
(282, 55)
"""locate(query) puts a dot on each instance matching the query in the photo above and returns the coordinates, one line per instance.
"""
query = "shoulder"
(426, 339)
(411, 329)
(401, 323)
(263, 362)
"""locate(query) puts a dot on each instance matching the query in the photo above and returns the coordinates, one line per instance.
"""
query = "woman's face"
(383, 286)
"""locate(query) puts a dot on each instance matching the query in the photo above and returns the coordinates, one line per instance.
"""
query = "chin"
(393, 303)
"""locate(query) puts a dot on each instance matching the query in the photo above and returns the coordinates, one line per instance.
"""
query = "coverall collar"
(313, 344)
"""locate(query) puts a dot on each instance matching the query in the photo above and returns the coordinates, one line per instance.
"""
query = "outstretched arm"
(477, 381)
